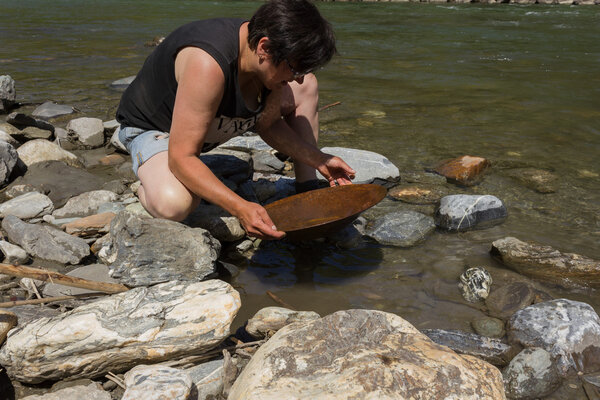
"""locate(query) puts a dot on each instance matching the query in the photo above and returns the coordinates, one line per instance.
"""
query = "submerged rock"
(462, 212)
(540, 180)
(272, 319)
(142, 325)
(465, 170)
(508, 299)
(546, 263)
(531, 375)
(157, 382)
(475, 284)
(490, 327)
(418, 194)
(362, 354)
(50, 110)
(401, 228)
(367, 164)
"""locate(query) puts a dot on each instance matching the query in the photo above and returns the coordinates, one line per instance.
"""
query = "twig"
(337, 103)
(112, 377)
(278, 300)
(9, 285)
(15, 303)
(212, 353)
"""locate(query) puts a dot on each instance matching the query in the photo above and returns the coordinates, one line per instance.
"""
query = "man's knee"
(169, 204)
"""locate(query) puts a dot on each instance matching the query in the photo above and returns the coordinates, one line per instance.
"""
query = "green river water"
(418, 83)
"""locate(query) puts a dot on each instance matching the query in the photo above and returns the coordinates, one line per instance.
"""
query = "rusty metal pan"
(319, 212)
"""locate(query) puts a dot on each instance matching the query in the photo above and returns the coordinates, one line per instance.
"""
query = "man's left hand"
(336, 171)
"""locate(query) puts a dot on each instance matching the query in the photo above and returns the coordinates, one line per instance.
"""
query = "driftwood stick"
(44, 300)
(337, 103)
(211, 354)
(112, 377)
(45, 275)
(278, 300)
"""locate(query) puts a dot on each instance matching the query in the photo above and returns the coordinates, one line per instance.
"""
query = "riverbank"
(544, 2)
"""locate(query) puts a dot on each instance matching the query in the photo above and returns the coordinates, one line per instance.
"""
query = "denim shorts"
(143, 144)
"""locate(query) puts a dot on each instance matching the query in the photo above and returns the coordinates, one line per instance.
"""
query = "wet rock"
(40, 150)
(569, 330)
(490, 327)
(85, 204)
(93, 272)
(93, 391)
(157, 382)
(226, 163)
(508, 299)
(462, 212)
(13, 254)
(418, 194)
(530, 375)
(491, 350)
(87, 133)
(401, 228)
(351, 236)
(272, 319)
(147, 251)
(50, 110)
(8, 321)
(6, 137)
(207, 378)
(22, 121)
(142, 325)
(591, 385)
(546, 263)
(27, 206)
(246, 143)
(264, 161)
(45, 242)
(427, 178)
(540, 180)
(8, 161)
(362, 354)
(475, 284)
(465, 170)
(8, 94)
(122, 83)
(217, 221)
(90, 226)
(367, 164)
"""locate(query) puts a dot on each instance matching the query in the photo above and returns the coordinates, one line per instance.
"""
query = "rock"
(93, 391)
(116, 142)
(27, 313)
(22, 121)
(351, 236)
(540, 180)
(148, 251)
(8, 321)
(40, 150)
(33, 133)
(508, 299)
(272, 319)
(6, 137)
(264, 189)
(8, 94)
(418, 194)
(246, 143)
(362, 354)
(58, 181)
(112, 159)
(367, 164)
(226, 163)
(115, 333)
(401, 228)
(8, 128)
(138, 209)
(45, 242)
(122, 83)
(62, 140)
(93, 272)
(50, 110)
(465, 170)
(90, 226)
(207, 378)
(13, 254)
(428, 178)
(8, 161)
(490, 327)
(475, 284)
(27, 206)
(488, 349)
(85, 204)
(591, 385)
(264, 161)
(462, 212)
(110, 126)
(86, 132)
(217, 221)
(531, 375)
(569, 330)
(157, 382)
(543, 262)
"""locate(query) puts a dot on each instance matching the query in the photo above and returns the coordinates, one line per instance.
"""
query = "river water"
(418, 83)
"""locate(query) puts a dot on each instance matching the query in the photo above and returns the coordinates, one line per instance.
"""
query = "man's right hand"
(257, 223)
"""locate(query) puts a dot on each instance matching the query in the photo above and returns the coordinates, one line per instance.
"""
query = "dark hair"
(297, 33)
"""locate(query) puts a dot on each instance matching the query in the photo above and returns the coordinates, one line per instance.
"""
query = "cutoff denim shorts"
(143, 144)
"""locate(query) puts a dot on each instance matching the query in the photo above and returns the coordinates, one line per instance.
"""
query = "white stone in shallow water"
(460, 212)
(142, 325)
(367, 164)
(157, 382)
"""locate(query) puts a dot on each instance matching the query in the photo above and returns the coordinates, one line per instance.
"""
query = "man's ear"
(263, 47)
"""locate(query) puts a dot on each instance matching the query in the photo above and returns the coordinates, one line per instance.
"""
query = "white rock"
(157, 382)
(85, 204)
(27, 206)
(275, 318)
(89, 132)
(367, 164)
(39, 150)
(13, 254)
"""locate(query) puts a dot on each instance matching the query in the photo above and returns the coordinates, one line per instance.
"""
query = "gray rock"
(546, 263)
(157, 382)
(207, 378)
(22, 121)
(264, 161)
(401, 228)
(33, 133)
(28, 313)
(27, 206)
(8, 160)
(272, 319)
(367, 164)
(93, 272)
(6, 137)
(148, 251)
(13, 254)
(491, 350)
(85, 204)
(490, 327)
(62, 140)
(422, 177)
(569, 330)
(531, 375)
(8, 321)
(264, 189)
(122, 83)
(16, 190)
(362, 354)
(93, 391)
(418, 193)
(351, 236)
(115, 333)
(508, 299)
(246, 143)
(475, 284)
(86, 132)
(45, 242)
(222, 225)
(50, 110)
(8, 94)
(116, 142)
(591, 385)
(40, 150)
(462, 212)
(111, 126)
(226, 163)
(114, 207)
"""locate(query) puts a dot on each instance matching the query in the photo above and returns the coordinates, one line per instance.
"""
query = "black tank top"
(149, 100)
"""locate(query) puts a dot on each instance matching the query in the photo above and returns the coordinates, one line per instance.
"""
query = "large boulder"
(8, 160)
(401, 228)
(39, 150)
(546, 263)
(461, 212)
(362, 354)
(367, 164)
(142, 325)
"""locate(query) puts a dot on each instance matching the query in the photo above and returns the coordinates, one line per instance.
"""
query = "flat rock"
(85, 204)
(367, 164)
(122, 83)
(208, 379)
(540, 180)
(490, 327)
(157, 382)
(546, 263)
(423, 177)
(8, 161)
(246, 143)
(27, 313)
(34, 133)
(146, 251)
(27, 206)
(226, 163)
(40, 150)
(489, 349)
(465, 170)
(461, 212)
(272, 319)
(93, 391)
(90, 226)
(531, 375)
(87, 133)
(508, 299)
(141, 326)
(50, 110)
(362, 354)
(222, 225)
(13, 254)
(22, 121)
(418, 194)
(93, 272)
(45, 242)
(569, 330)
(264, 161)
(401, 228)
(8, 321)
